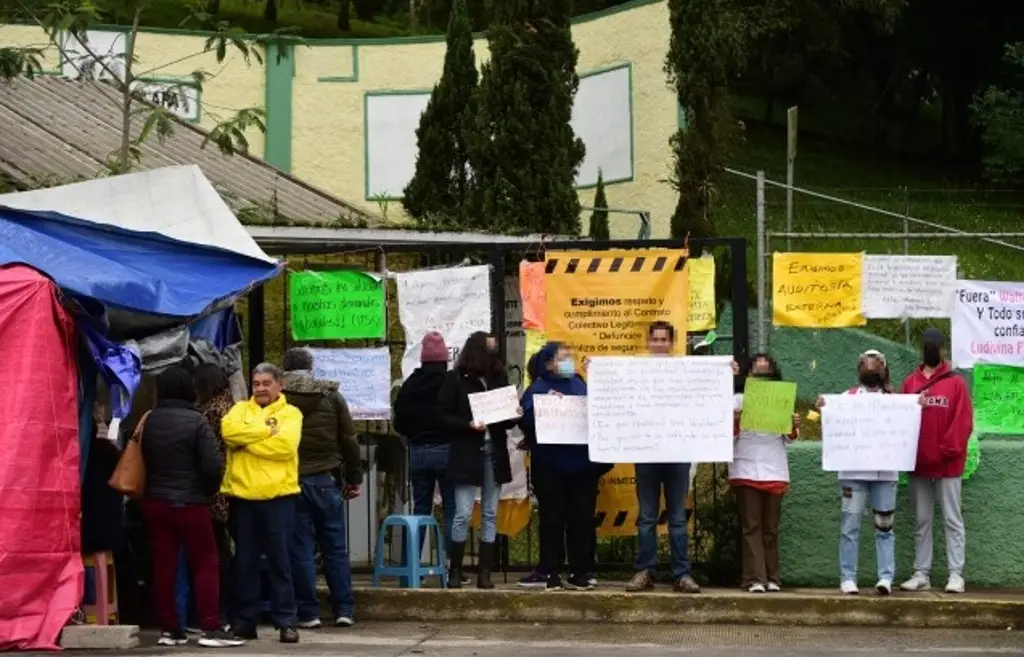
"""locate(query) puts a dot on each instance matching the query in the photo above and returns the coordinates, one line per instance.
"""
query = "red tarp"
(40, 537)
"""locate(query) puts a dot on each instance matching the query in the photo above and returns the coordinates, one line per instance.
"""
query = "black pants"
(566, 505)
(260, 529)
(221, 535)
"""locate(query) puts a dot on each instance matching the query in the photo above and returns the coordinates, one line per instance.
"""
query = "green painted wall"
(279, 65)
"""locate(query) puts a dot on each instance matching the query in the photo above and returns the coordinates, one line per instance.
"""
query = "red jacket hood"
(947, 421)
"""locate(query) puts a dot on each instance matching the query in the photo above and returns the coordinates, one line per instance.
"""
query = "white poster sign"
(515, 338)
(660, 410)
(363, 376)
(870, 432)
(898, 286)
(455, 302)
(495, 405)
(560, 420)
(988, 323)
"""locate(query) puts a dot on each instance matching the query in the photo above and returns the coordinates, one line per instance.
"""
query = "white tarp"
(178, 202)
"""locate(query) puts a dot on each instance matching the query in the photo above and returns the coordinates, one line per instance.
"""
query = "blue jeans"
(428, 467)
(856, 496)
(650, 479)
(320, 519)
(465, 500)
(263, 528)
(183, 592)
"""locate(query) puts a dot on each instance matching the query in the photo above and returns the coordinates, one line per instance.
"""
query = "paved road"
(594, 640)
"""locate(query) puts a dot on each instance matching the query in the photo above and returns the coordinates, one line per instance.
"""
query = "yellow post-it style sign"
(817, 290)
(701, 273)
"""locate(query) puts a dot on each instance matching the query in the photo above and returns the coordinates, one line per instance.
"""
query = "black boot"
(458, 551)
(483, 578)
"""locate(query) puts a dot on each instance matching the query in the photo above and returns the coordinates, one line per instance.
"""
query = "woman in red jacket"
(947, 421)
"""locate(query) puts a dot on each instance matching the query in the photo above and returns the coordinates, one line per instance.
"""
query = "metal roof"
(57, 130)
(297, 239)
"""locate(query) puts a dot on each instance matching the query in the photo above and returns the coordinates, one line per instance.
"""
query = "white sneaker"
(849, 587)
(884, 587)
(757, 587)
(956, 584)
(773, 587)
(919, 582)
(310, 624)
(344, 621)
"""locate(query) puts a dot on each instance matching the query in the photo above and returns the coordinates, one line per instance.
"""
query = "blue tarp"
(145, 273)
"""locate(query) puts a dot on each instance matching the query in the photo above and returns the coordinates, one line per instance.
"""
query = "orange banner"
(533, 294)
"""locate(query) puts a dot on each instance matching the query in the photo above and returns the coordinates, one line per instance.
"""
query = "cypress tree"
(437, 195)
(522, 150)
(599, 219)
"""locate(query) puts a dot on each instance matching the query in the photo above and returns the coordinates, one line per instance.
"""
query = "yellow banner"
(817, 290)
(701, 279)
(535, 341)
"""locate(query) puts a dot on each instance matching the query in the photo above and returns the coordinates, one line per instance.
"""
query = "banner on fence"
(532, 290)
(901, 286)
(702, 311)
(363, 376)
(988, 323)
(817, 290)
(456, 302)
(866, 433)
(998, 398)
(336, 305)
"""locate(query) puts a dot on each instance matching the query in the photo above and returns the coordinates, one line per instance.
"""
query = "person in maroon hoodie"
(947, 421)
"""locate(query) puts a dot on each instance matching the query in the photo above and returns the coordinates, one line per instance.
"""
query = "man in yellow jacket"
(261, 481)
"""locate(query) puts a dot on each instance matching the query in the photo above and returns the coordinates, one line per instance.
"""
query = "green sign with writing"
(998, 399)
(336, 305)
(768, 406)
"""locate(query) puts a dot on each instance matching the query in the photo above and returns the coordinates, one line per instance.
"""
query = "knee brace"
(883, 520)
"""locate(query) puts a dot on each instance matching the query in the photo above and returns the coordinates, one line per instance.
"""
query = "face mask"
(871, 379)
(565, 368)
(931, 355)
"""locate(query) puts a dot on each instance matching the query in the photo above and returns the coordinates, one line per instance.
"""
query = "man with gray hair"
(330, 472)
(261, 482)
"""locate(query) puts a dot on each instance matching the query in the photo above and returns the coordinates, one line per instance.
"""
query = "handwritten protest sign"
(363, 376)
(998, 396)
(702, 315)
(660, 410)
(533, 292)
(560, 420)
(456, 302)
(817, 290)
(988, 323)
(768, 406)
(898, 286)
(336, 305)
(870, 432)
(495, 405)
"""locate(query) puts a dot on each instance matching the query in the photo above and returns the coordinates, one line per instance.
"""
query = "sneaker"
(193, 631)
(773, 587)
(289, 635)
(641, 581)
(244, 632)
(919, 582)
(344, 621)
(579, 583)
(592, 579)
(956, 584)
(884, 587)
(178, 638)
(220, 639)
(535, 580)
(312, 624)
(849, 587)
(686, 584)
(553, 583)
(756, 587)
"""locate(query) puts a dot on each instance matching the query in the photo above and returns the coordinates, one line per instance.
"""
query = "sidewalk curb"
(470, 605)
(99, 637)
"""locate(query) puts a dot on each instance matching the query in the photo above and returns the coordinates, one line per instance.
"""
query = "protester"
(184, 467)
(328, 443)
(478, 459)
(759, 476)
(262, 481)
(947, 420)
(564, 479)
(860, 488)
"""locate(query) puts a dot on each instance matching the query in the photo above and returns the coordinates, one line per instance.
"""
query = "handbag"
(129, 476)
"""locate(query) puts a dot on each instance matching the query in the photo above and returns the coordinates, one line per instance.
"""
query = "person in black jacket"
(478, 457)
(184, 468)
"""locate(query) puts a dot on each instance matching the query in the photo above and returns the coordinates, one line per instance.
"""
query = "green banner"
(768, 406)
(998, 399)
(336, 305)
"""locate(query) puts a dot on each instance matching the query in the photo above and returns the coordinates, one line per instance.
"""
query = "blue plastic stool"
(409, 573)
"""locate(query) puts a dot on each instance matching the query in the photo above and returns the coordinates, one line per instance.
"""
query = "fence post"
(906, 251)
(762, 281)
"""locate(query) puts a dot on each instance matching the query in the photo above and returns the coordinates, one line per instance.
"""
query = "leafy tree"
(523, 153)
(344, 22)
(999, 112)
(440, 188)
(599, 219)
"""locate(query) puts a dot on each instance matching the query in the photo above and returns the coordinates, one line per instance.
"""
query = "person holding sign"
(759, 475)
(478, 455)
(564, 479)
(947, 421)
(859, 488)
